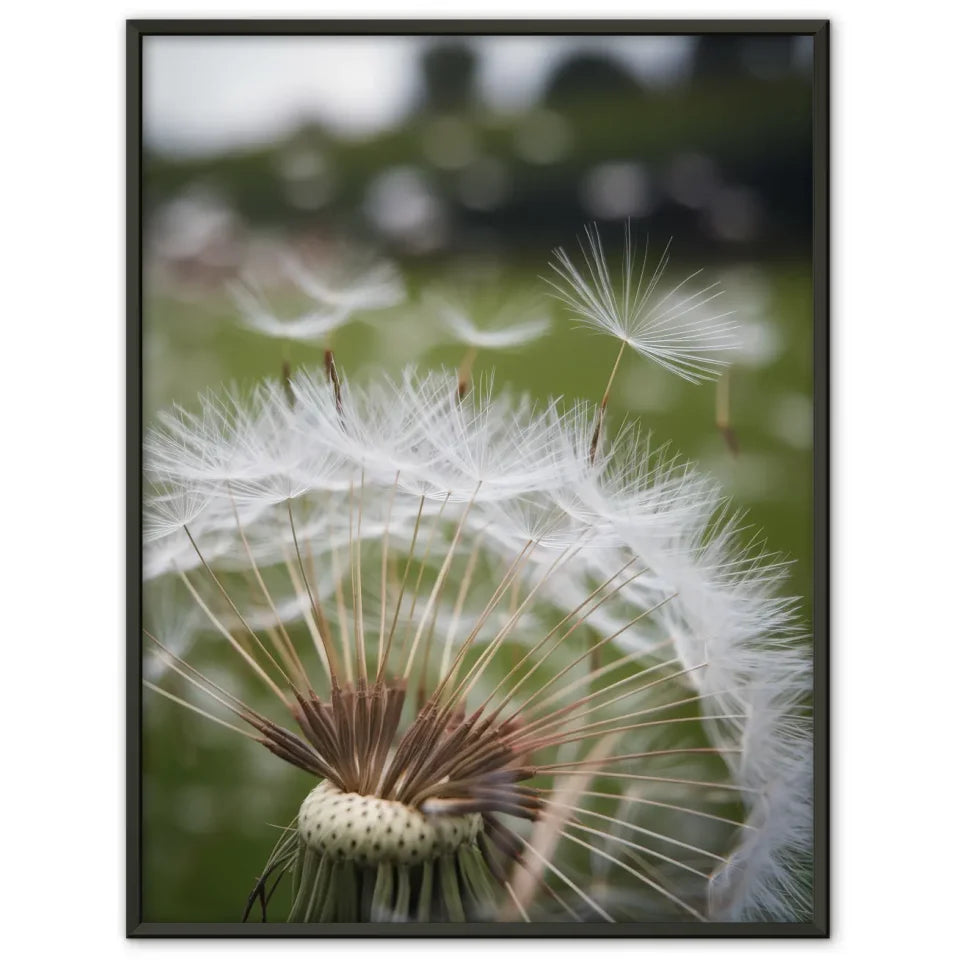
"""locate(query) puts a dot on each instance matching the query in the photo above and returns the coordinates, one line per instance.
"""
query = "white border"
(895, 349)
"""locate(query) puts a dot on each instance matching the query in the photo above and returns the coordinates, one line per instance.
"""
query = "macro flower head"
(536, 668)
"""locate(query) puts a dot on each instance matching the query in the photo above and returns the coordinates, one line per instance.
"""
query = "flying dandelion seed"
(501, 335)
(337, 293)
(511, 327)
(350, 283)
(681, 330)
(536, 676)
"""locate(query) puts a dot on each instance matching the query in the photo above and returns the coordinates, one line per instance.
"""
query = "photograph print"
(478, 385)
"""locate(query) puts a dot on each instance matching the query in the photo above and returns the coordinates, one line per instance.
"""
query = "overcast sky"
(206, 93)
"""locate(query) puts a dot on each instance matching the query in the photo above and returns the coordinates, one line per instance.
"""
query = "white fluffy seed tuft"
(681, 330)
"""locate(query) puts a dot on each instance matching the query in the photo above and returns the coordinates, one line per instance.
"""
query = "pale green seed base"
(370, 831)
(363, 858)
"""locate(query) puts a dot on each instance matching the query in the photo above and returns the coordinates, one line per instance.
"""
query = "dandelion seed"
(508, 329)
(502, 334)
(313, 325)
(349, 286)
(506, 653)
(356, 289)
(681, 330)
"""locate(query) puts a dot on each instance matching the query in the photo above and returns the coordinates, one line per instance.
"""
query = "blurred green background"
(467, 178)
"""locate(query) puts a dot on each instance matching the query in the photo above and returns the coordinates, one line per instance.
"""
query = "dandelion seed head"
(549, 648)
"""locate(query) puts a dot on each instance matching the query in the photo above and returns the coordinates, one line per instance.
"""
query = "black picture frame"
(819, 30)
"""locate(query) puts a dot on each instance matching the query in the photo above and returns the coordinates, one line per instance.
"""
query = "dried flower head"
(535, 670)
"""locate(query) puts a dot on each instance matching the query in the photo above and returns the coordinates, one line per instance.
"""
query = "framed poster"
(477, 452)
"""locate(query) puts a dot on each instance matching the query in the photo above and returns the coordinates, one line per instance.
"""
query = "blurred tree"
(717, 56)
(768, 56)
(726, 56)
(449, 70)
(589, 76)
